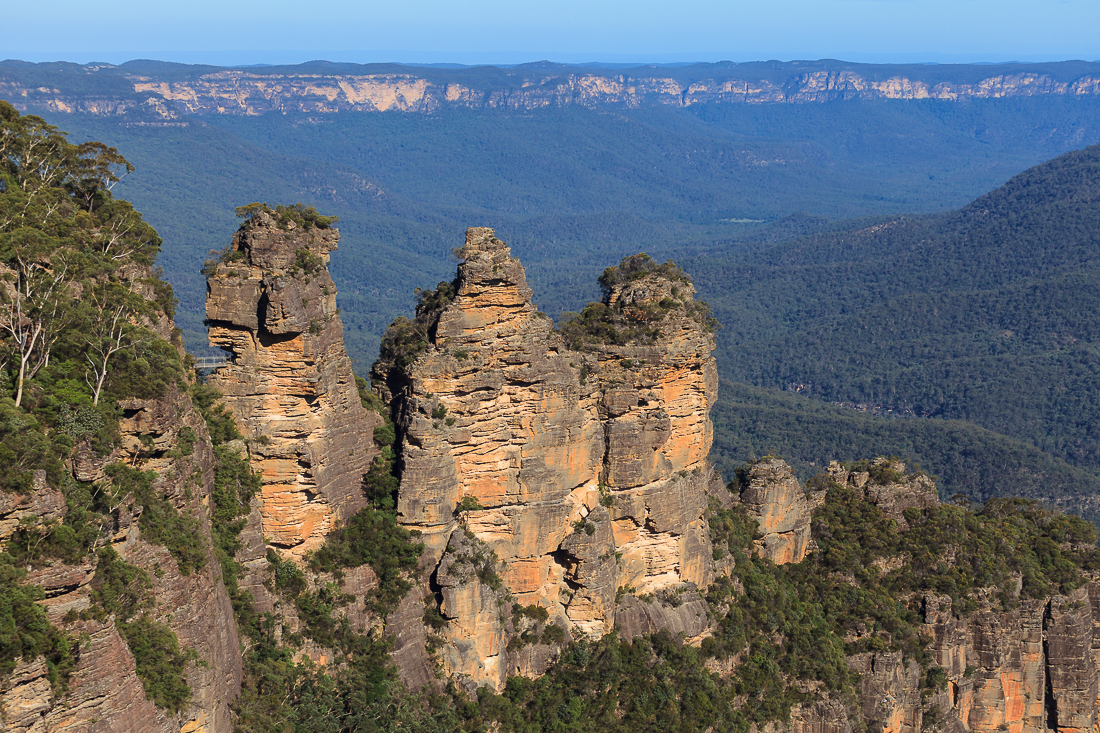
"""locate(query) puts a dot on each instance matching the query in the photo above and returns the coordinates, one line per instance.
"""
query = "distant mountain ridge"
(986, 314)
(166, 91)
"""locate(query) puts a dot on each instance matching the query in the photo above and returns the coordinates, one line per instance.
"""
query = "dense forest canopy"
(987, 315)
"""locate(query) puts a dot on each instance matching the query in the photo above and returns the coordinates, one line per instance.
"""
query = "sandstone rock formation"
(773, 497)
(584, 471)
(104, 691)
(887, 484)
(252, 92)
(272, 305)
(1025, 669)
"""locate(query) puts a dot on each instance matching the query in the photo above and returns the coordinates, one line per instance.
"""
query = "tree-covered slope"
(988, 314)
(751, 422)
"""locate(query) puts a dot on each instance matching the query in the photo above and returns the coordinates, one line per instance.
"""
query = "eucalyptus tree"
(73, 259)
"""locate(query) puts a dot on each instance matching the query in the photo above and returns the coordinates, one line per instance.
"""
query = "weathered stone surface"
(825, 715)
(681, 611)
(475, 648)
(1067, 624)
(585, 472)
(889, 691)
(26, 697)
(41, 505)
(290, 386)
(774, 498)
(105, 693)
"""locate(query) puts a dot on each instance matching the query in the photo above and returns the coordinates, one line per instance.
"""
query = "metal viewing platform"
(212, 362)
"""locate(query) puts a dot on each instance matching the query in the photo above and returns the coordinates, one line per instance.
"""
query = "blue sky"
(515, 31)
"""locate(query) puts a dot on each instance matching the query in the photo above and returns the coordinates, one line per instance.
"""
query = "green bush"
(160, 661)
(25, 630)
(303, 216)
(373, 537)
(219, 419)
(122, 589)
(161, 523)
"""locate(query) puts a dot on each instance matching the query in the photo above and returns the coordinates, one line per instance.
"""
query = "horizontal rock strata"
(584, 472)
(244, 92)
(272, 305)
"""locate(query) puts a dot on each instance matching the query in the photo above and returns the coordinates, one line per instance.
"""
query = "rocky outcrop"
(1025, 668)
(682, 611)
(773, 497)
(104, 692)
(255, 92)
(584, 471)
(474, 601)
(887, 484)
(272, 305)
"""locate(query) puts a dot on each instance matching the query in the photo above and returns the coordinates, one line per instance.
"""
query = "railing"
(211, 362)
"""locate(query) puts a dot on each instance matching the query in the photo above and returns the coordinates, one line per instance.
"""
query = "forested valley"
(933, 332)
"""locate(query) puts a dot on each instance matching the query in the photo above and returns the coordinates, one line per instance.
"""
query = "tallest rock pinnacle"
(577, 457)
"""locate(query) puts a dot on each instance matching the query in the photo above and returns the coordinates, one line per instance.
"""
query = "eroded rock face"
(1028, 668)
(272, 305)
(585, 472)
(773, 497)
(104, 692)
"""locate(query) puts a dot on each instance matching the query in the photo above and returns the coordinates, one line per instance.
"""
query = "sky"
(240, 32)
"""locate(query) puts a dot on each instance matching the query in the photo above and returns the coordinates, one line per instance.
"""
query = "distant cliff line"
(167, 91)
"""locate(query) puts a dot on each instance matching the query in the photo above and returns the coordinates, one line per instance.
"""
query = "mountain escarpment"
(168, 93)
(580, 473)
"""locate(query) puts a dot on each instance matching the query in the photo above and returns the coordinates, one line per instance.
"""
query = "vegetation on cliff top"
(406, 339)
(790, 628)
(302, 216)
(612, 324)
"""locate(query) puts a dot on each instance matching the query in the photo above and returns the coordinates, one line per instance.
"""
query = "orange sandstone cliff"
(272, 305)
(578, 477)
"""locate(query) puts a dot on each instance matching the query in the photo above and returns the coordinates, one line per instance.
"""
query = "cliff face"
(1026, 669)
(104, 692)
(239, 92)
(583, 472)
(272, 305)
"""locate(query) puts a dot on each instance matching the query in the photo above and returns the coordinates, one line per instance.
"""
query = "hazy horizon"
(410, 58)
(244, 32)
